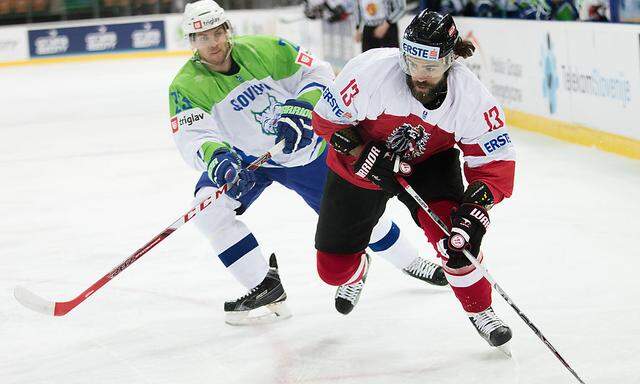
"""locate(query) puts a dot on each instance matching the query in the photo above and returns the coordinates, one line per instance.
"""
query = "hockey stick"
(61, 308)
(486, 274)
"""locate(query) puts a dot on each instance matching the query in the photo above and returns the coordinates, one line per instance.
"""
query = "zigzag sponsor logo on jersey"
(408, 141)
(333, 103)
(268, 117)
(183, 119)
(249, 95)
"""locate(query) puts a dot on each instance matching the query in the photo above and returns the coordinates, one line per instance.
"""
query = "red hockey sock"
(341, 268)
(474, 298)
(470, 287)
(443, 209)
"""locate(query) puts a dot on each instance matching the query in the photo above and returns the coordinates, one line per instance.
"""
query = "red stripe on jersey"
(325, 128)
(471, 149)
(385, 125)
(343, 166)
(497, 175)
(418, 139)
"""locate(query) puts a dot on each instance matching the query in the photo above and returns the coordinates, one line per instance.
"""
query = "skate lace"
(256, 288)
(422, 268)
(487, 321)
(251, 292)
(350, 292)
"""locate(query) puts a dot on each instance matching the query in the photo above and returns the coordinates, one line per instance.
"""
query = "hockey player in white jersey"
(229, 104)
(420, 104)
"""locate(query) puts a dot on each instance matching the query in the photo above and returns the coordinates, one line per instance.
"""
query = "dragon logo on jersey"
(408, 141)
(268, 117)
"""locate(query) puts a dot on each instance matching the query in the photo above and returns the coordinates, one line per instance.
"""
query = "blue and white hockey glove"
(225, 168)
(294, 125)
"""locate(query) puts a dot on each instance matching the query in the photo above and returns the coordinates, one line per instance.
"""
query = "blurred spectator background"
(559, 10)
(34, 11)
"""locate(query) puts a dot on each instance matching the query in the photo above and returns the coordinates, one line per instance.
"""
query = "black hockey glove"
(380, 166)
(469, 223)
(346, 140)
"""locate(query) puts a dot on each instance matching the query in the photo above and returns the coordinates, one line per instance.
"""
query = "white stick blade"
(33, 301)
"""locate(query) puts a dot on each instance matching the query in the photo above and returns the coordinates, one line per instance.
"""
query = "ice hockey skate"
(347, 295)
(265, 303)
(492, 329)
(426, 271)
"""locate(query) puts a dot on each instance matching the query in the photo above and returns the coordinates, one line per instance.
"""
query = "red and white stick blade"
(33, 301)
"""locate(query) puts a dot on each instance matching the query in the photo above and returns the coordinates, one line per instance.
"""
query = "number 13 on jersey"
(349, 92)
(492, 117)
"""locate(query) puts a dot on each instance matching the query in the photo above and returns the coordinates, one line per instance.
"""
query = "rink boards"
(578, 82)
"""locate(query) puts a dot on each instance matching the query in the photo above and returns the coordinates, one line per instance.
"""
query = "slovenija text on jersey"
(247, 96)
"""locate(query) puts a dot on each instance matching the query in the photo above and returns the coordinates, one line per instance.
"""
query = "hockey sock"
(388, 242)
(472, 290)
(232, 240)
(468, 284)
(341, 268)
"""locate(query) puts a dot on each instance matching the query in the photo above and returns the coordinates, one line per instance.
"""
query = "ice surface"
(89, 174)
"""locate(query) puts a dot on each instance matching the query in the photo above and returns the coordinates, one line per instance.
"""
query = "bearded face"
(428, 90)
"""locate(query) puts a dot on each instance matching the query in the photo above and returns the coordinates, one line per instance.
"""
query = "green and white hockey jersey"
(210, 109)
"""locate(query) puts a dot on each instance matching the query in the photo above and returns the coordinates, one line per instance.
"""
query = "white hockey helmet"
(202, 15)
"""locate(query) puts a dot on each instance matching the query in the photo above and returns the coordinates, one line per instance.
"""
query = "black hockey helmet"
(429, 38)
(433, 29)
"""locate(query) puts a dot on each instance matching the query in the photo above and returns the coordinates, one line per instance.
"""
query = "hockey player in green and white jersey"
(230, 103)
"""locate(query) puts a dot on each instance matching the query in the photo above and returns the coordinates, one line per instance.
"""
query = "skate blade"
(506, 349)
(274, 312)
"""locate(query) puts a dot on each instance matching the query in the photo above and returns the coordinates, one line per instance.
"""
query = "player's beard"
(434, 94)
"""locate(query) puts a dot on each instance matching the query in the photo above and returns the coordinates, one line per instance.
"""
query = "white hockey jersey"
(210, 109)
(371, 93)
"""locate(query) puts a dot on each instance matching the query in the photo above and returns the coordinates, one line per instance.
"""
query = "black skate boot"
(492, 329)
(268, 294)
(425, 270)
(347, 295)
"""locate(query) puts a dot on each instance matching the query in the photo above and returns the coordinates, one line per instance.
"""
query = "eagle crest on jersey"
(408, 141)
(268, 117)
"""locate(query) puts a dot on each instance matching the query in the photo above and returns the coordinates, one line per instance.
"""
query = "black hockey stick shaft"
(488, 276)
